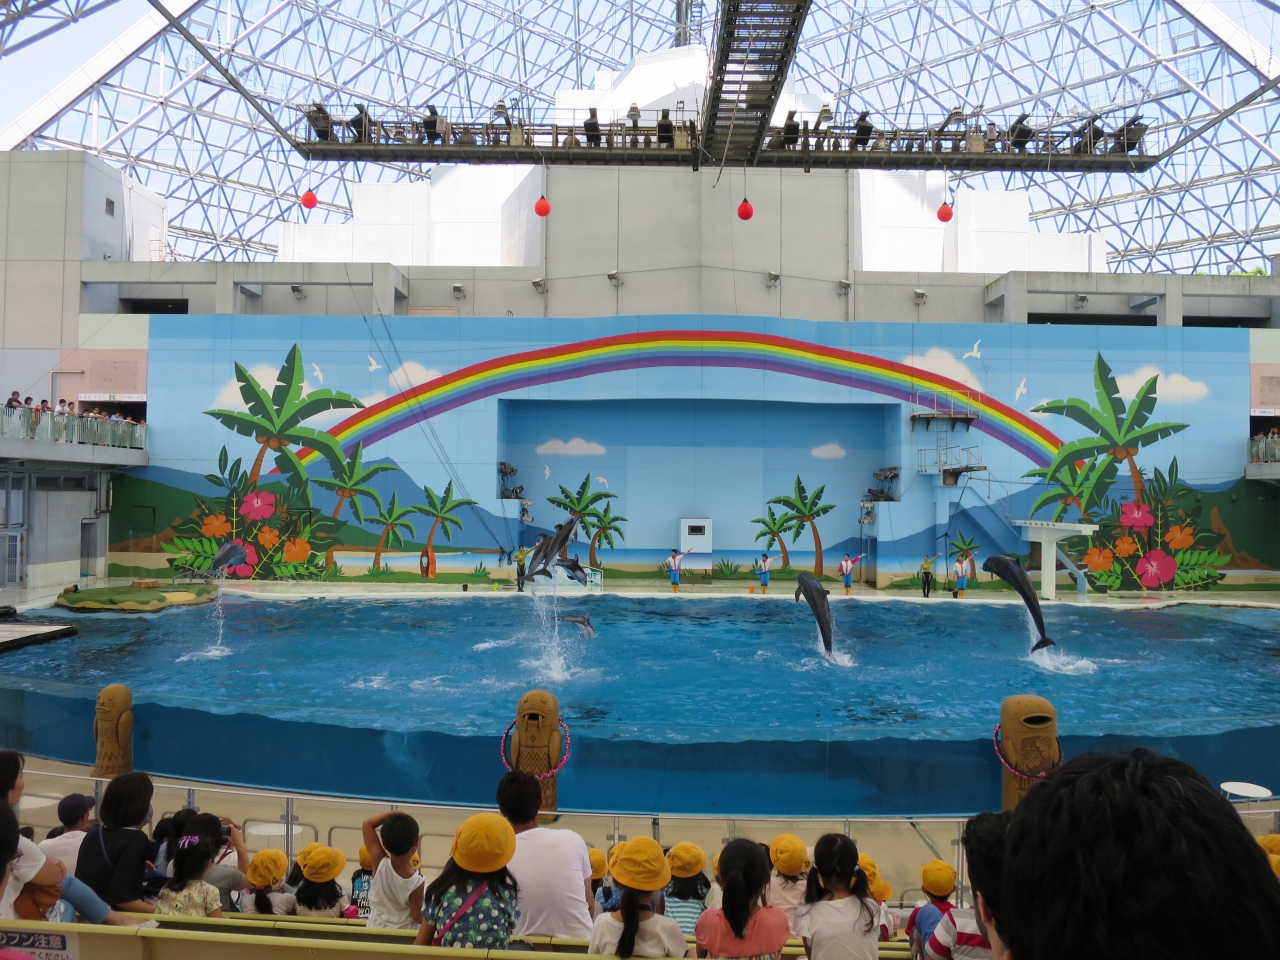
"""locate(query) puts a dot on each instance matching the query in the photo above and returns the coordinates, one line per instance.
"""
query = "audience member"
(320, 894)
(265, 894)
(114, 855)
(839, 919)
(360, 879)
(8, 853)
(715, 896)
(294, 880)
(223, 839)
(395, 893)
(13, 402)
(636, 929)
(185, 894)
(599, 867)
(177, 827)
(1145, 848)
(607, 896)
(938, 881)
(472, 903)
(74, 812)
(685, 897)
(743, 926)
(552, 867)
(881, 891)
(790, 859)
(971, 933)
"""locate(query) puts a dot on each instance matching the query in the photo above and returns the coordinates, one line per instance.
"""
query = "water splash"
(218, 650)
(551, 660)
(1055, 661)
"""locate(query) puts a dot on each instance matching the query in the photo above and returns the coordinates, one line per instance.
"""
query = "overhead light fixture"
(842, 288)
(540, 284)
(824, 116)
(921, 297)
(614, 278)
(1082, 301)
(771, 279)
(633, 114)
(500, 110)
(298, 292)
(459, 293)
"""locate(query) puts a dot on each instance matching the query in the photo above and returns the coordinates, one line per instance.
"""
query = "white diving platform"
(1047, 533)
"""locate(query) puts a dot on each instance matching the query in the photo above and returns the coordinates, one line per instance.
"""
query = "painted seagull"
(975, 353)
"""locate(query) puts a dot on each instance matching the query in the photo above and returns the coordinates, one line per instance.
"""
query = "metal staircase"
(754, 46)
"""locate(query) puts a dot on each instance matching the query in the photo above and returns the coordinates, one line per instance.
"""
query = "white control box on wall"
(695, 534)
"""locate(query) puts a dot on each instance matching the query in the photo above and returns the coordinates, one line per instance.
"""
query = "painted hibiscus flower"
(216, 526)
(245, 570)
(260, 505)
(1156, 568)
(1134, 515)
(1126, 546)
(296, 550)
(1099, 558)
(1179, 538)
(268, 537)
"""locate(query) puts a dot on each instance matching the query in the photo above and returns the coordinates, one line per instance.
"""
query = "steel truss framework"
(164, 115)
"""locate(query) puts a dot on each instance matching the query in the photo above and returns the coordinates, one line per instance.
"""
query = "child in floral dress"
(472, 904)
(185, 894)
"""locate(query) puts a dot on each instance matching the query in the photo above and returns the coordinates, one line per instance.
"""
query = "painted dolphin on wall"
(583, 623)
(816, 596)
(545, 554)
(228, 555)
(1009, 569)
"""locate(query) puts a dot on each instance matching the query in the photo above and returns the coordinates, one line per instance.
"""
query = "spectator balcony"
(1264, 459)
(27, 434)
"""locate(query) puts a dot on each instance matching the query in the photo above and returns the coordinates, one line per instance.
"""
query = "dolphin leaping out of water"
(230, 554)
(816, 596)
(583, 623)
(545, 554)
(1010, 570)
(573, 568)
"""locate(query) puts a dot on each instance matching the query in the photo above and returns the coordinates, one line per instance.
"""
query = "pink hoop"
(995, 742)
(568, 741)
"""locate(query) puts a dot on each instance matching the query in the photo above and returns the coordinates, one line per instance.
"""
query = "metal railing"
(23, 423)
(938, 459)
(1264, 450)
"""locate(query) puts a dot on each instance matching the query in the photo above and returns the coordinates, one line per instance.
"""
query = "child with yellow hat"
(640, 870)
(938, 881)
(686, 896)
(266, 875)
(320, 895)
(361, 878)
(881, 891)
(472, 904)
(599, 867)
(839, 919)
(294, 879)
(607, 895)
(743, 926)
(790, 858)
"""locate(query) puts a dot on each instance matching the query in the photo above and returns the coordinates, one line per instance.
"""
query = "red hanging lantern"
(542, 207)
(945, 213)
(308, 200)
(745, 210)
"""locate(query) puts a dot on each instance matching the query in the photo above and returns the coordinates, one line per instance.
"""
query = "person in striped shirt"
(970, 934)
(686, 895)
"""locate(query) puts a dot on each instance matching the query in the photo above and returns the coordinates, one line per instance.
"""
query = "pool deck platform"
(15, 634)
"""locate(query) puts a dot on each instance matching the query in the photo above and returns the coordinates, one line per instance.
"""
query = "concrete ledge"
(89, 454)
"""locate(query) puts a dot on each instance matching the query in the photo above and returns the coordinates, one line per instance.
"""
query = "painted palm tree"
(1120, 432)
(804, 508)
(967, 548)
(276, 419)
(350, 480)
(604, 527)
(581, 505)
(772, 529)
(392, 517)
(443, 511)
(1081, 484)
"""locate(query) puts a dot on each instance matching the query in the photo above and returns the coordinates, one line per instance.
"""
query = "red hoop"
(568, 741)
(995, 742)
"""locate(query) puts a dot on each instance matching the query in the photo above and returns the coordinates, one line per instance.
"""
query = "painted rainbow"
(695, 348)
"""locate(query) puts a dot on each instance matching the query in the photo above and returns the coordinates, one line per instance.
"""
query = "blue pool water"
(679, 671)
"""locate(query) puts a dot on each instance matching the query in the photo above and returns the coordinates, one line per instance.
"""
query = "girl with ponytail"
(185, 894)
(265, 894)
(743, 927)
(640, 872)
(839, 920)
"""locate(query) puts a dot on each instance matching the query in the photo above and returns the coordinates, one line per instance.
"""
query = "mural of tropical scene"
(292, 481)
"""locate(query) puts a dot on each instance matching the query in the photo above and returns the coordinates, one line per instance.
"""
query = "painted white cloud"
(829, 451)
(229, 398)
(1172, 386)
(945, 364)
(577, 447)
(409, 374)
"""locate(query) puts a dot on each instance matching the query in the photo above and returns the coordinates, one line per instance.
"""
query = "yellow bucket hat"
(613, 851)
(305, 853)
(788, 855)
(715, 866)
(415, 861)
(599, 866)
(640, 865)
(366, 862)
(938, 878)
(1275, 864)
(880, 888)
(484, 843)
(324, 865)
(1270, 842)
(267, 868)
(686, 859)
